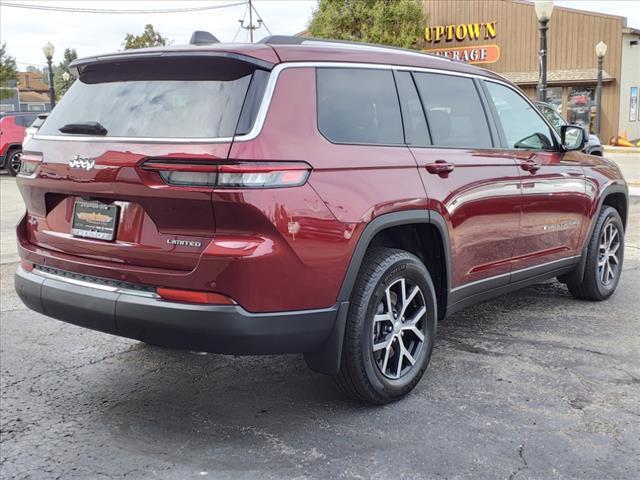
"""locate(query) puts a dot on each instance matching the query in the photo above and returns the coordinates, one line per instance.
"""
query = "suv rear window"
(195, 100)
(358, 105)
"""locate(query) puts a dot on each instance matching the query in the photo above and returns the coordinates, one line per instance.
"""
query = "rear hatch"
(93, 180)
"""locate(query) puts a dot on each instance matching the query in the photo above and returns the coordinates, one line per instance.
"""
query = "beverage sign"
(475, 54)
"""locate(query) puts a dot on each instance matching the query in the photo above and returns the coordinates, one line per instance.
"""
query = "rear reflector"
(28, 266)
(192, 296)
(236, 175)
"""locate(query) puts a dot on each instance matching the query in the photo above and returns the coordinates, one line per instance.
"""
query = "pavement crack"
(66, 369)
(524, 465)
(460, 345)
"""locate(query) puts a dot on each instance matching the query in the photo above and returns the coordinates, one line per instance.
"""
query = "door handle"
(439, 167)
(530, 165)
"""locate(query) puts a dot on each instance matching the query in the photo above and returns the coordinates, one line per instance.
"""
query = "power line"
(54, 8)
(32, 64)
(244, 15)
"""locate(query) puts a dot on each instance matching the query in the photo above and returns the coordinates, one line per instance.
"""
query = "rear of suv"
(301, 196)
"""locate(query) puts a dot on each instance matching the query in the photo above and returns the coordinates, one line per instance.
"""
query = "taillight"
(235, 175)
(184, 174)
(29, 164)
(193, 296)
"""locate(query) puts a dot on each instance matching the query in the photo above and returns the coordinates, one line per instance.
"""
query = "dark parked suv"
(301, 196)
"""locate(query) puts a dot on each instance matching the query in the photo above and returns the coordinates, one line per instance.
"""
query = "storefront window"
(581, 106)
(554, 98)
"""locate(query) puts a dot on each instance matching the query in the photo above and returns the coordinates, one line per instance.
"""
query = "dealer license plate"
(94, 220)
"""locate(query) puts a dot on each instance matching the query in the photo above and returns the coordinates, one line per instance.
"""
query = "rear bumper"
(213, 328)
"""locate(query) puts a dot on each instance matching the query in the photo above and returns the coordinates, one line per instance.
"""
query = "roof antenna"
(200, 37)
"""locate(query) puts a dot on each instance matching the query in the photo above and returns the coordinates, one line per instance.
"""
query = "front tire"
(605, 254)
(390, 328)
(14, 159)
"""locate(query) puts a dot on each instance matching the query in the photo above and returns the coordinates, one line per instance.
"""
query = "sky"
(25, 31)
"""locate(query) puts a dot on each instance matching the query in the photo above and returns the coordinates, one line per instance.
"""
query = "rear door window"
(358, 105)
(161, 99)
(454, 111)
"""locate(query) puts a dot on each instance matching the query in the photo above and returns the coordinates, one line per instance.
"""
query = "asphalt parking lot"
(533, 385)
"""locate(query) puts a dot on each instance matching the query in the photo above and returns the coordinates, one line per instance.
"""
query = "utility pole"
(251, 27)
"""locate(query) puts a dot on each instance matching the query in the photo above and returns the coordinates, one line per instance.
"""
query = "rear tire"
(605, 254)
(13, 161)
(390, 327)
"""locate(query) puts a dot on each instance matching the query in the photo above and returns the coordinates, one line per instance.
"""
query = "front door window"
(523, 126)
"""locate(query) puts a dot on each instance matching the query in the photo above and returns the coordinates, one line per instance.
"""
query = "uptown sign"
(461, 32)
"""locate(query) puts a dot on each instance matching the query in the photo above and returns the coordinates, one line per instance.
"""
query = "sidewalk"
(609, 149)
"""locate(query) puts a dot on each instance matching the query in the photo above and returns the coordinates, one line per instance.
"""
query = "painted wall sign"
(461, 32)
(476, 54)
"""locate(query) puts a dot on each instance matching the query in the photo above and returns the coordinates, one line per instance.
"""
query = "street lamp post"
(48, 50)
(601, 51)
(543, 12)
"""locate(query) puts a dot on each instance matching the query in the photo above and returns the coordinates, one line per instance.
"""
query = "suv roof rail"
(284, 40)
(293, 40)
(200, 37)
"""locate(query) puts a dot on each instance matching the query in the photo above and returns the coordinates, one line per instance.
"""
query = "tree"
(398, 23)
(8, 72)
(60, 84)
(150, 38)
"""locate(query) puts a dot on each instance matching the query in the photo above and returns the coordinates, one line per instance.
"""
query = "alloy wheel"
(608, 262)
(399, 329)
(15, 162)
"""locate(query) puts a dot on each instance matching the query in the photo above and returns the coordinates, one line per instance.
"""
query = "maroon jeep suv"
(305, 196)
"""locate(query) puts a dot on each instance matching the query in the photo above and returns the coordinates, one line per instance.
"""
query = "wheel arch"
(616, 196)
(415, 231)
(618, 199)
(327, 358)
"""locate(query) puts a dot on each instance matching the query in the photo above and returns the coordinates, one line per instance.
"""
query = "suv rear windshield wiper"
(87, 128)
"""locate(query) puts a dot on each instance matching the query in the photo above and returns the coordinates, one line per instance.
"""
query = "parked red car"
(12, 130)
(301, 196)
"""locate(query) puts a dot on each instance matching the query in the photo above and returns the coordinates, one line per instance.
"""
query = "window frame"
(397, 97)
(504, 145)
(429, 141)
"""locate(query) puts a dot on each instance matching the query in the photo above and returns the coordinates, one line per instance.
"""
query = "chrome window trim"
(91, 138)
(266, 103)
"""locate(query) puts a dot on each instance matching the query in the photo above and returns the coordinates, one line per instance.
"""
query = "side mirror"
(573, 137)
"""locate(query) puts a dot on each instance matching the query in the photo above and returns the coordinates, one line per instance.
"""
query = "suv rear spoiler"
(83, 67)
